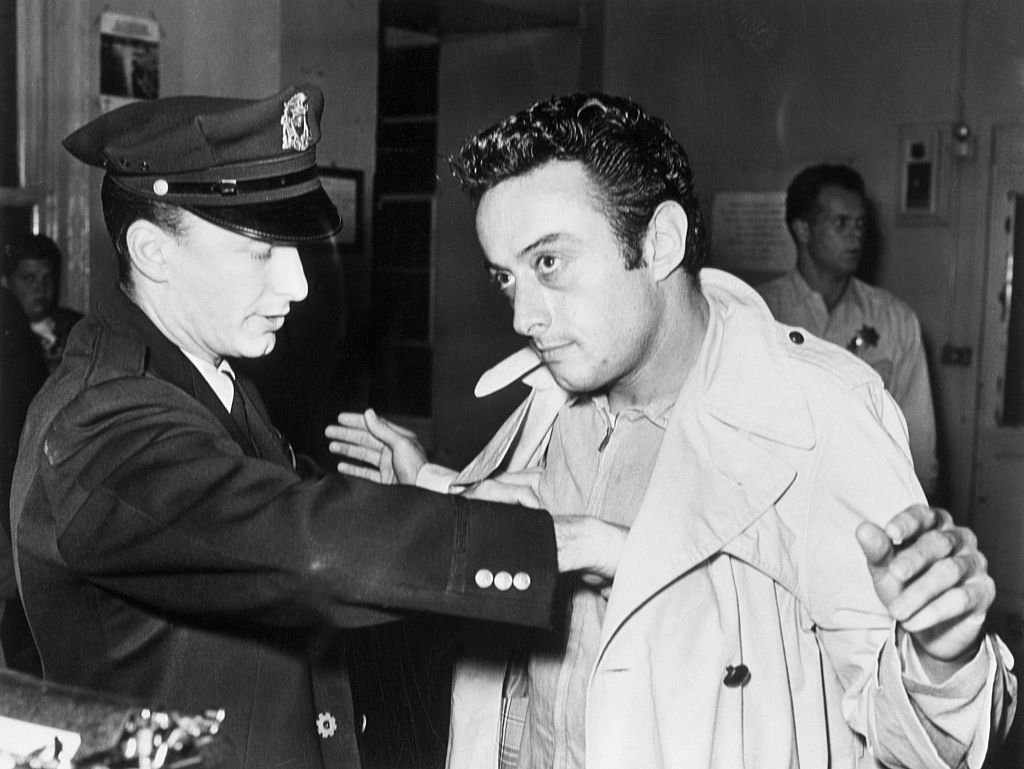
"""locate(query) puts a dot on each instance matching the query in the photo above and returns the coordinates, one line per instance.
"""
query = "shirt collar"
(220, 378)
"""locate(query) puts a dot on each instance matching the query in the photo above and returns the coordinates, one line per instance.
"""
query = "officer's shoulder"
(824, 361)
(97, 353)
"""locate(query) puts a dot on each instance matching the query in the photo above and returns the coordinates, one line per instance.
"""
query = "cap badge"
(294, 129)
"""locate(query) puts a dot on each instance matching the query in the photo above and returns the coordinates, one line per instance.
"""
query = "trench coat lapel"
(525, 433)
(716, 473)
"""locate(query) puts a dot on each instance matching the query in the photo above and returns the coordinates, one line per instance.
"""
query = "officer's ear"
(665, 244)
(148, 249)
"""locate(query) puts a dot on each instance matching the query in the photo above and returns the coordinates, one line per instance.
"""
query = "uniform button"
(503, 580)
(521, 581)
(796, 337)
(326, 726)
(362, 724)
(484, 578)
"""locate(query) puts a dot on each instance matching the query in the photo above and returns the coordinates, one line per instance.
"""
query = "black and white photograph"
(511, 384)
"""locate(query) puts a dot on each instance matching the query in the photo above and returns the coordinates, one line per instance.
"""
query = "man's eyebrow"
(540, 242)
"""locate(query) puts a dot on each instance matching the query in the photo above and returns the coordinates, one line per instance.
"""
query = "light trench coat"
(743, 552)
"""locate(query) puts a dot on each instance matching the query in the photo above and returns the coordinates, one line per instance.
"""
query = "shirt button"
(521, 581)
(796, 337)
(503, 580)
(484, 578)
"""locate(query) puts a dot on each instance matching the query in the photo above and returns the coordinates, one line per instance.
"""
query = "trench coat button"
(361, 726)
(521, 581)
(484, 578)
(503, 581)
(736, 675)
(796, 337)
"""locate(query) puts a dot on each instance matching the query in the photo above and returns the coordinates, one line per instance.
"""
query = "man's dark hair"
(121, 209)
(803, 191)
(632, 158)
(37, 247)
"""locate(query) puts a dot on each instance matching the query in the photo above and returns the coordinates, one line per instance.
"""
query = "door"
(999, 457)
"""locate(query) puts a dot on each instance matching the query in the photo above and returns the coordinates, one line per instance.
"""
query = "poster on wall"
(129, 59)
(749, 234)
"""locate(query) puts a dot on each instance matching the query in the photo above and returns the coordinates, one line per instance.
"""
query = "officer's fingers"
(387, 431)
(387, 467)
(352, 419)
(914, 521)
(943, 576)
(353, 435)
(358, 471)
(352, 451)
(970, 599)
(529, 477)
(509, 493)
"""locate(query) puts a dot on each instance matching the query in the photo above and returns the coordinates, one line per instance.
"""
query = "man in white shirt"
(826, 214)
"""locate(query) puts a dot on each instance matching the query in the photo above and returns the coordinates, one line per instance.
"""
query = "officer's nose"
(289, 277)
(530, 316)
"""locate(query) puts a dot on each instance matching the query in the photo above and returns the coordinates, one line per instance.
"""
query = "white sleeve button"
(503, 580)
(484, 578)
(521, 581)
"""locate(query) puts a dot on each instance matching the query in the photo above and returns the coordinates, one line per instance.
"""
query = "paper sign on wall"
(749, 234)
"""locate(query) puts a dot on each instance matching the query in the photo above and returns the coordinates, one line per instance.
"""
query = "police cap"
(245, 165)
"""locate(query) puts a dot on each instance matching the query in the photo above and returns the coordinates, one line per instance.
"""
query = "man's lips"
(550, 349)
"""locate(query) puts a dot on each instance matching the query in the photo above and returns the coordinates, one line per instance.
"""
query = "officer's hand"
(393, 452)
(514, 488)
(934, 582)
(589, 546)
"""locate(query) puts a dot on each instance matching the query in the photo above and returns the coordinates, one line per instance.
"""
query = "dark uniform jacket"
(162, 554)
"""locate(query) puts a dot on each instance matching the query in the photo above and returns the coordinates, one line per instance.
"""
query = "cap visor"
(306, 218)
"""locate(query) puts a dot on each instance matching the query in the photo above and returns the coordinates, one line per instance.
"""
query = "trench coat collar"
(717, 472)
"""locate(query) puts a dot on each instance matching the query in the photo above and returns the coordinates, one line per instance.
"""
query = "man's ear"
(148, 249)
(665, 244)
(801, 229)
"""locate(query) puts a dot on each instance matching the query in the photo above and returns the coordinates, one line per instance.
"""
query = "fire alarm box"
(923, 174)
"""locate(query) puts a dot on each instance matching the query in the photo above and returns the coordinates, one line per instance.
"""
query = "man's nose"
(530, 315)
(289, 277)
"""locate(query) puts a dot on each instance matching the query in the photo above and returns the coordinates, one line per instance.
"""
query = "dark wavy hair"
(802, 193)
(631, 156)
(38, 247)
(121, 209)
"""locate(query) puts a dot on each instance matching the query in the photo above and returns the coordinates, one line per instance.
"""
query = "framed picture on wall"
(345, 188)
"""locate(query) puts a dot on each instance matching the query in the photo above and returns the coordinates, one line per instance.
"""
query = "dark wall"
(8, 95)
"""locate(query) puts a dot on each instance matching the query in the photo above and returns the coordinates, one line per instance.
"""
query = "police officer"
(168, 543)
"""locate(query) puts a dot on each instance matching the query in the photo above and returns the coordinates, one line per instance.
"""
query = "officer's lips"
(275, 321)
